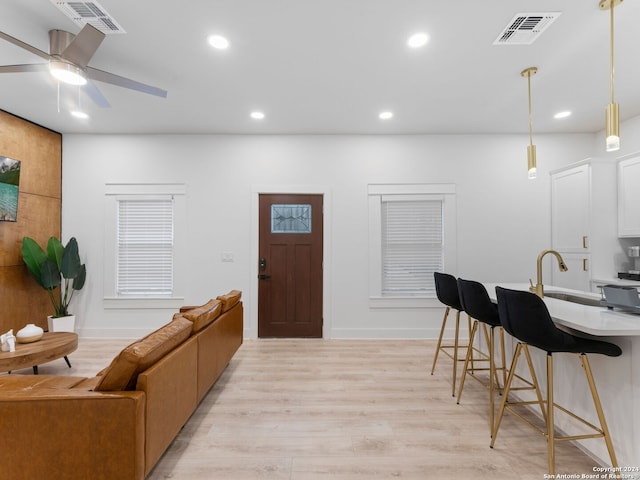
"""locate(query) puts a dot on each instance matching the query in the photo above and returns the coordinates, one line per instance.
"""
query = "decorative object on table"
(8, 341)
(29, 333)
(59, 267)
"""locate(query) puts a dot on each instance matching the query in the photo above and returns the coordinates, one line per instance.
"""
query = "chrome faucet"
(539, 287)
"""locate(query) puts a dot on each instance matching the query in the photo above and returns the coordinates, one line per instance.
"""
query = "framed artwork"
(9, 185)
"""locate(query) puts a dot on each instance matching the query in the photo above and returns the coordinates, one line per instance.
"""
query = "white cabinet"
(629, 197)
(570, 209)
(583, 222)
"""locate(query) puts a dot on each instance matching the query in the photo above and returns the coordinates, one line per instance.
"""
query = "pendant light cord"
(530, 117)
(611, 48)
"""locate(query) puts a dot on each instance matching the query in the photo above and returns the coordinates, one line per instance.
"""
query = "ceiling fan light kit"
(67, 73)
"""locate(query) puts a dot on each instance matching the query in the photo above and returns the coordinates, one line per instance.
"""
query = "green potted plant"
(59, 267)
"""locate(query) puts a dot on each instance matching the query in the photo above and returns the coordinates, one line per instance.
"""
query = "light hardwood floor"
(340, 409)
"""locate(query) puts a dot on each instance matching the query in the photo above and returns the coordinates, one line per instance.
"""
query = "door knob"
(262, 276)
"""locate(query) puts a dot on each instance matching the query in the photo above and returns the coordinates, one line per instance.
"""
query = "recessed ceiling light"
(219, 42)
(257, 115)
(418, 40)
(385, 115)
(564, 114)
(79, 114)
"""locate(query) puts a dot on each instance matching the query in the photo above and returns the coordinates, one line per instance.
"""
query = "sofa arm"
(49, 433)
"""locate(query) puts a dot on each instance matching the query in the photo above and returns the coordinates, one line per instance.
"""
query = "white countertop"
(593, 320)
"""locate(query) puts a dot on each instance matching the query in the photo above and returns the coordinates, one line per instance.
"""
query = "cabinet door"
(577, 276)
(570, 207)
(629, 197)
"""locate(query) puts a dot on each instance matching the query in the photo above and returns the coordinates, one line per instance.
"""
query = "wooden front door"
(290, 266)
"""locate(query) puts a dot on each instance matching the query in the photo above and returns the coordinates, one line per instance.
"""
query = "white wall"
(503, 218)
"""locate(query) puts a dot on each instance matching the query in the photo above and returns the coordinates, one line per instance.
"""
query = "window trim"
(376, 193)
(117, 191)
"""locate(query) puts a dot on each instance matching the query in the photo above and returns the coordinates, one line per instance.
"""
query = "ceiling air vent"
(525, 28)
(89, 12)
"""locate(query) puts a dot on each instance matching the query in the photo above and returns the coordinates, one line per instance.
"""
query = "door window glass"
(291, 218)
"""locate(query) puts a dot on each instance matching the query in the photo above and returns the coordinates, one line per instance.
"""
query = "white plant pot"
(62, 324)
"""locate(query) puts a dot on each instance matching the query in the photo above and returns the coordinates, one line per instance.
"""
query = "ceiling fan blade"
(29, 67)
(119, 81)
(96, 95)
(26, 46)
(83, 46)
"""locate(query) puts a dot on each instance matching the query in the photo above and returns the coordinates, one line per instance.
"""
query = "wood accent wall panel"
(23, 301)
(39, 216)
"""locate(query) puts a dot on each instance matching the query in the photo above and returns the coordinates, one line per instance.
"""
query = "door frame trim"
(251, 327)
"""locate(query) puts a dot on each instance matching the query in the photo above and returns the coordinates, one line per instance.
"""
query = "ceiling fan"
(68, 60)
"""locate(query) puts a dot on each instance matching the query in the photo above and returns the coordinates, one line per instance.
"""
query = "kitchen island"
(617, 379)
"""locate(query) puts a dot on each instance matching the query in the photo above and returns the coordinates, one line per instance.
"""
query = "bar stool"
(525, 316)
(476, 302)
(447, 293)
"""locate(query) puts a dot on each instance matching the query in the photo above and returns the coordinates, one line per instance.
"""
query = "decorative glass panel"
(291, 218)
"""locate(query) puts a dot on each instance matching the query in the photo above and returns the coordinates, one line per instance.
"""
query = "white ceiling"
(330, 66)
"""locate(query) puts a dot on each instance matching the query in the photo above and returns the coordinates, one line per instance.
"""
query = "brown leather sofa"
(118, 424)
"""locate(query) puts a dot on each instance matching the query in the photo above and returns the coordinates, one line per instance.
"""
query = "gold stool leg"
(536, 385)
(455, 354)
(504, 357)
(600, 412)
(467, 359)
(470, 343)
(505, 393)
(444, 324)
(492, 371)
(550, 425)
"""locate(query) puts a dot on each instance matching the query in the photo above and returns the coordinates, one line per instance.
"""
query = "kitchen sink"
(568, 297)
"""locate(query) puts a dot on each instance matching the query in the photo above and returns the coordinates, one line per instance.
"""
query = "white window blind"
(412, 246)
(145, 243)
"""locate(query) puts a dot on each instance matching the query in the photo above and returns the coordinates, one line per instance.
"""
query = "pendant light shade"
(531, 162)
(531, 148)
(612, 119)
(612, 128)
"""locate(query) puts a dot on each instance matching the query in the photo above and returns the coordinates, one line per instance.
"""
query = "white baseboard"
(388, 333)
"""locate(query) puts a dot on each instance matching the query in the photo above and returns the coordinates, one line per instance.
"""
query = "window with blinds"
(412, 246)
(145, 246)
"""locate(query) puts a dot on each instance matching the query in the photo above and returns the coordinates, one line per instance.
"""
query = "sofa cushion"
(122, 373)
(203, 315)
(230, 299)
(31, 382)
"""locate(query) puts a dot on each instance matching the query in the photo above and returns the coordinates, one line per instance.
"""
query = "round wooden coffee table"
(51, 346)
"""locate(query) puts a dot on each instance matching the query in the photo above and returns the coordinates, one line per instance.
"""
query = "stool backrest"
(447, 290)
(525, 316)
(476, 302)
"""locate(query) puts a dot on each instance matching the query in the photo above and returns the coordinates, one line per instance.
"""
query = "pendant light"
(531, 148)
(612, 122)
